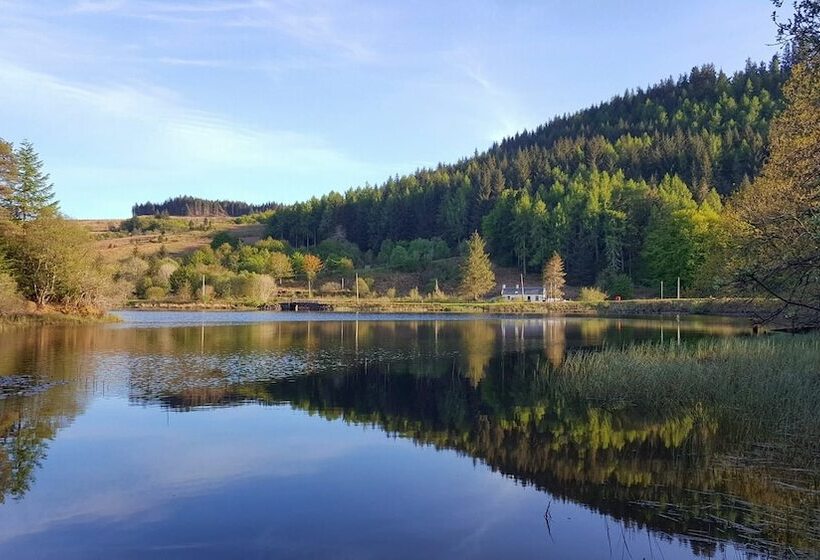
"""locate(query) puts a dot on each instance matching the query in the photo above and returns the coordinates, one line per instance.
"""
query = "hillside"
(587, 185)
(628, 192)
(179, 236)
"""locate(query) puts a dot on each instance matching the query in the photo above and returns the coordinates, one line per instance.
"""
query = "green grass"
(54, 318)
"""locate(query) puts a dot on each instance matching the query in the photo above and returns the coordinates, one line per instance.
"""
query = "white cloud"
(155, 122)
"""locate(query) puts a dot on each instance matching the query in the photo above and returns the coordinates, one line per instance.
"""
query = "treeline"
(199, 207)
(599, 186)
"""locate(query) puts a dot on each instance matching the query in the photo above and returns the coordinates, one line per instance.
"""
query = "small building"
(523, 294)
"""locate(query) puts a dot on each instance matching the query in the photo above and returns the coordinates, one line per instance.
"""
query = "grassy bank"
(54, 318)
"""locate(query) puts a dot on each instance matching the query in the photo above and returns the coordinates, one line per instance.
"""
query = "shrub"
(10, 298)
(414, 294)
(207, 294)
(329, 288)
(259, 288)
(616, 284)
(224, 237)
(391, 293)
(591, 295)
(154, 293)
(363, 286)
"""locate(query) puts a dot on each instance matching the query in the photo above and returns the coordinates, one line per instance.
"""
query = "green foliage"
(414, 255)
(774, 248)
(10, 298)
(279, 266)
(184, 280)
(679, 233)
(273, 245)
(616, 283)
(477, 276)
(155, 293)
(591, 295)
(157, 224)
(223, 237)
(363, 286)
(27, 192)
(582, 184)
(54, 263)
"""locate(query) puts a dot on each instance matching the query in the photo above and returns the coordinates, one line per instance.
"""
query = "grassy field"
(115, 245)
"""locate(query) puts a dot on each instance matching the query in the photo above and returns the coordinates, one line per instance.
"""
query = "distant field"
(115, 245)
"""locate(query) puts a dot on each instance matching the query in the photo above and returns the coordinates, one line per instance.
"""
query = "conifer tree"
(477, 276)
(554, 277)
(29, 193)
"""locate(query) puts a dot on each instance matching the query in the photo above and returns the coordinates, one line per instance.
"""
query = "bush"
(591, 295)
(10, 298)
(155, 293)
(329, 288)
(363, 286)
(340, 264)
(414, 294)
(259, 288)
(224, 237)
(391, 293)
(616, 284)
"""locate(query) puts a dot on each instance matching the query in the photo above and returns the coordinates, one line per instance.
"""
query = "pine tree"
(554, 277)
(477, 276)
(31, 193)
(8, 172)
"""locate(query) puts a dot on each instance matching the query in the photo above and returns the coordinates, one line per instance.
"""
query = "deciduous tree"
(312, 265)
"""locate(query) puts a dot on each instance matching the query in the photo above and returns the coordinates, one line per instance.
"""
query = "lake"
(272, 435)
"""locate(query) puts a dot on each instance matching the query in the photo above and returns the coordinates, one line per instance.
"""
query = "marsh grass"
(764, 393)
(771, 384)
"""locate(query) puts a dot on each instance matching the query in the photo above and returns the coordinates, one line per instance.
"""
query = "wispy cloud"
(96, 6)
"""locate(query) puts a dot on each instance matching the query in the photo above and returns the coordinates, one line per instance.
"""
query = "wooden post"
(203, 288)
(357, 288)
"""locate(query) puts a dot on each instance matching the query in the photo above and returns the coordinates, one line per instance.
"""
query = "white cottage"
(525, 294)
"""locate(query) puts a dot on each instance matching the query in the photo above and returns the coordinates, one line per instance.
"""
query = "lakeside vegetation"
(709, 180)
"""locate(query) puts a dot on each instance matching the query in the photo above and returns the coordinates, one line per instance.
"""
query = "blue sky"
(134, 100)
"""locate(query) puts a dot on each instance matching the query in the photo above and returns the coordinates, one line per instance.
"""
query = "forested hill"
(190, 206)
(593, 186)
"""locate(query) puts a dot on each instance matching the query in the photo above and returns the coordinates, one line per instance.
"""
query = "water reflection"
(479, 387)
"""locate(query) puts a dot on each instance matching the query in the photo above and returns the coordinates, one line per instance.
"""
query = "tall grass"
(763, 385)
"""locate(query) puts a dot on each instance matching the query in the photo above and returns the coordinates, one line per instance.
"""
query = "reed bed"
(769, 385)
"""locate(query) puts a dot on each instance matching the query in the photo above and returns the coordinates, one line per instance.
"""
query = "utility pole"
(203, 288)
(661, 289)
(357, 288)
(522, 286)
(678, 287)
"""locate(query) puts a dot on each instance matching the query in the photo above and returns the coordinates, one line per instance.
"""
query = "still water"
(265, 435)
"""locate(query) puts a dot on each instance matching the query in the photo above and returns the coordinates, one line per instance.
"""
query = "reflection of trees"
(28, 422)
(464, 385)
(663, 472)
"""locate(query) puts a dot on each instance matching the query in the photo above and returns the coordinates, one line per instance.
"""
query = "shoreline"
(24, 319)
(738, 308)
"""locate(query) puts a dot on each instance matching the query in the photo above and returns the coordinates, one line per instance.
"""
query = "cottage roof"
(516, 291)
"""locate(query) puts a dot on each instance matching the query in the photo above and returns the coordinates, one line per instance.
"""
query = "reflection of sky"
(128, 481)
